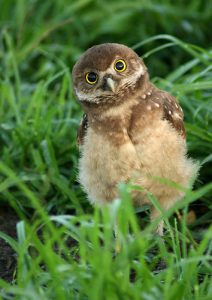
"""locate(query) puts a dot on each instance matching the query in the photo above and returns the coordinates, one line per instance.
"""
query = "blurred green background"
(65, 28)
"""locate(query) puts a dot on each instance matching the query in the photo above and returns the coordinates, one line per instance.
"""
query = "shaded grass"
(49, 269)
(65, 248)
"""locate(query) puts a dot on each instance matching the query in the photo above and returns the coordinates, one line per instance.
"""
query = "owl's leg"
(154, 215)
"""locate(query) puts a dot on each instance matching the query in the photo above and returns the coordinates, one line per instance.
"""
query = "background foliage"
(39, 43)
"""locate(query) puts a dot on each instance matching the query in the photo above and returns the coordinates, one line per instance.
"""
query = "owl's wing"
(82, 130)
(172, 112)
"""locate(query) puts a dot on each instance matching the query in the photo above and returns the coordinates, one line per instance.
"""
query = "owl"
(131, 130)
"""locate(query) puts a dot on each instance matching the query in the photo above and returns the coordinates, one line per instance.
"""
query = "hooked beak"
(111, 84)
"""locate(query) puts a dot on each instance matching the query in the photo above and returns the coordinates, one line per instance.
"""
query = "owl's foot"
(154, 215)
(159, 228)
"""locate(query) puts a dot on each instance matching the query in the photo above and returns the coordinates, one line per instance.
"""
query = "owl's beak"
(111, 84)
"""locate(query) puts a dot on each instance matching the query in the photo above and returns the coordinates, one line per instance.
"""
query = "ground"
(8, 221)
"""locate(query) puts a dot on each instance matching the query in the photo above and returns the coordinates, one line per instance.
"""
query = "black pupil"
(91, 77)
(119, 65)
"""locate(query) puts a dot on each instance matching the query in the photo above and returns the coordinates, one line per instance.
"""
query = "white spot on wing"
(177, 116)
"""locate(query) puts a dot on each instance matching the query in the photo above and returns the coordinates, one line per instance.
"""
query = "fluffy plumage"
(131, 130)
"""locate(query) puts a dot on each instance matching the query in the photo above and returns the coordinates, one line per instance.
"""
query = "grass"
(65, 248)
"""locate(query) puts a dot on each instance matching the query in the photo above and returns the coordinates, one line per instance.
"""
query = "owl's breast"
(103, 164)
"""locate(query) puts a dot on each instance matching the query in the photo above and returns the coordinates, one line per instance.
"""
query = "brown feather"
(82, 130)
(173, 113)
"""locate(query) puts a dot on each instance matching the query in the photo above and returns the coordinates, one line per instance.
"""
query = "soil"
(8, 221)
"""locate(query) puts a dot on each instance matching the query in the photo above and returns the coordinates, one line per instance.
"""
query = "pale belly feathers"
(157, 151)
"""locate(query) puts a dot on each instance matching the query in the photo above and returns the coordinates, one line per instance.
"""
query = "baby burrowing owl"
(132, 131)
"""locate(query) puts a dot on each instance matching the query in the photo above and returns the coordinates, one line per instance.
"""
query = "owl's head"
(106, 73)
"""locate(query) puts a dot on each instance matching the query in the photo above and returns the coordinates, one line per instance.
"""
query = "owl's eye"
(120, 65)
(91, 77)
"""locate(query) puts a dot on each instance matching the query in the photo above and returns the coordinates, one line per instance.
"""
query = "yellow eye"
(91, 77)
(120, 65)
